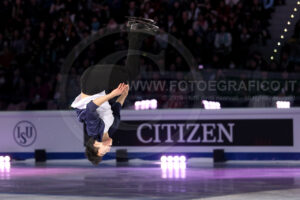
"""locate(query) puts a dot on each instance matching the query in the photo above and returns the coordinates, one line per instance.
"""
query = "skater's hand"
(116, 92)
(125, 92)
(119, 90)
(123, 96)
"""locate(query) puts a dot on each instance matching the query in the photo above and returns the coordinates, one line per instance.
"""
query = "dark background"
(37, 35)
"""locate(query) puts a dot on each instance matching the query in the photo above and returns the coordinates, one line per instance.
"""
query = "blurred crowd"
(37, 35)
(290, 53)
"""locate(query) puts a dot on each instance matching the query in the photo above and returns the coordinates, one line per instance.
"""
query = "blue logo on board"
(25, 133)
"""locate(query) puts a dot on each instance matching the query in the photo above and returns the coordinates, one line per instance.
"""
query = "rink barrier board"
(60, 134)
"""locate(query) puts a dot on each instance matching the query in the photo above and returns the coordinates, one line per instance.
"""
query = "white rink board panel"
(59, 131)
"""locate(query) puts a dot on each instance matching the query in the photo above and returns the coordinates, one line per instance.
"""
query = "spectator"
(231, 2)
(223, 41)
(132, 9)
(36, 37)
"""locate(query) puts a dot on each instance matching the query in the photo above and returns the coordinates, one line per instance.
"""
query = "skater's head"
(91, 152)
(96, 150)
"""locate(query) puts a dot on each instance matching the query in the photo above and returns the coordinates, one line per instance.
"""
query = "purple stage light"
(6, 159)
(170, 174)
(137, 105)
(176, 165)
(170, 158)
(182, 165)
(173, 167)
(176, 174)
(164, 166)
(176, 158)
(163, 159)
(283, 104)
(211, 104)
(153, 104)
(145, 104)
(5, 166)
(200, 66)
(182, 173)
(170, 165)
(4, 169)
(182, 158)
(164, 174)
(6, 172)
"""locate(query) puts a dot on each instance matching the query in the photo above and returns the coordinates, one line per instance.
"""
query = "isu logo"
(25, 133)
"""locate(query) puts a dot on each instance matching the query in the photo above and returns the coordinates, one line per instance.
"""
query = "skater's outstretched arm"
(116, 92)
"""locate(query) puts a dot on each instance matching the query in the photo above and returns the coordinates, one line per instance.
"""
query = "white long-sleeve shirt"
(104, 110)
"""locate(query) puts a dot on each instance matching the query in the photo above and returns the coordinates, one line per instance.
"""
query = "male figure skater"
(100, 119)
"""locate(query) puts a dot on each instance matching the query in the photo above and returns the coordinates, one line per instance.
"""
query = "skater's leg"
(133, 57)
(97, 78)
(106, 77)
(139, 29)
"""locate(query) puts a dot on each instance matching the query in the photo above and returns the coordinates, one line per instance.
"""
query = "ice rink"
(138, 179)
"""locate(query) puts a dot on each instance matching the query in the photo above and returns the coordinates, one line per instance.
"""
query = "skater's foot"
(142, 20)
(142, 24)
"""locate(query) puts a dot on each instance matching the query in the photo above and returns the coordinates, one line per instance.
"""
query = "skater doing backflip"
(100, 119)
